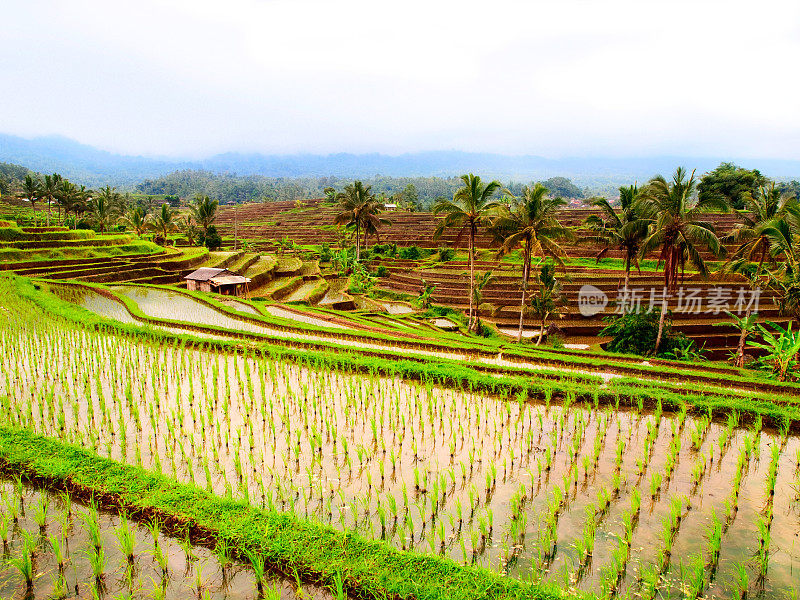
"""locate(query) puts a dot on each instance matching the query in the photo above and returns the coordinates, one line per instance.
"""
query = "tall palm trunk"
(541, 328)
(358, 241)
(627, 271)
(670, 280)
(660, 327)
(471, 272)
(525, 274)
(739, 360)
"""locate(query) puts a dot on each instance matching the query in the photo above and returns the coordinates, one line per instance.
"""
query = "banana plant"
(781, 349)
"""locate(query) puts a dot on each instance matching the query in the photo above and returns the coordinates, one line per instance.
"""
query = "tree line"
(665, 217)
(107, 209)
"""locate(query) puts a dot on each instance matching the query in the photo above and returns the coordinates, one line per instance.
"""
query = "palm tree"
(624, 230)
(673, 213)
(67, 196)
(477, 294)
(103, 208)
(164, 222)
(371, 226)
(136, 219)
(756, 234)
(470, 208)
(50, 191)
(191, 230)
(204, 211)
(545, 304)
(358, 208)
(746, 326)
(531, 223)
(30, 191)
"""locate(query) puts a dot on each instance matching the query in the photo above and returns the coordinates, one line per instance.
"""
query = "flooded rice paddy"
(282, 313)
(614, 501)
(71, 550)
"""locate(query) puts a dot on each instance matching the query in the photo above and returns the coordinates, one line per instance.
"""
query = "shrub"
(212, 239)
(325, 253)
(410, 253)
(636, 333)
(388, 250)
(446, 254)
(382, 271)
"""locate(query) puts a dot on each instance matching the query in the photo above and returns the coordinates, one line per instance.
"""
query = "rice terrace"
(352, 300)
(350, 397)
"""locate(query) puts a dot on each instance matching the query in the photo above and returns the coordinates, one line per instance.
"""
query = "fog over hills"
(91, 166)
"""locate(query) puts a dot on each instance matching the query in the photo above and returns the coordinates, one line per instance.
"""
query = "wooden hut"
(218, 281)
(201, 278)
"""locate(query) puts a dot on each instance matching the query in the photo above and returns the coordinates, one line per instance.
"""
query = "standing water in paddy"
(598, 499)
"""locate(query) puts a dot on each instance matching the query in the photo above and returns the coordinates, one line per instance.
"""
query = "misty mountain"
(93, 167)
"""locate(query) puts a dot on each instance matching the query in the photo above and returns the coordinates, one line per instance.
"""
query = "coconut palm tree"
(50, 191)
(204, 212)
(103, 208)
(758, 235)
(624, 229)
(676, 229)
(531, 223)
(67, 196)
(31, 190)
(136, 219)
(358, 208)
(191, 230)
(164, 221)
(546, 303)
(477, 294)
(470, 208)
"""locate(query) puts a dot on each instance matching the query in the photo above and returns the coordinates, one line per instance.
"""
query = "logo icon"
(591, 300)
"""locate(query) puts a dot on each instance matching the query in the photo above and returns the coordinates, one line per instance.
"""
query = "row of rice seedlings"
(274, 440)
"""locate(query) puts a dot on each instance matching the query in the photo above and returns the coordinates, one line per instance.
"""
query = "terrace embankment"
(178, 312)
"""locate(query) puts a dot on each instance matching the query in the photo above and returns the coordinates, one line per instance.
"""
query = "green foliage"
(388, 250)
(325, 254)
(561, 187)
(732, 183)
(781, 348)
(636, 332)
(424, 299)
(213, 241)
(445, 254)
(410, 253)
(361, 281)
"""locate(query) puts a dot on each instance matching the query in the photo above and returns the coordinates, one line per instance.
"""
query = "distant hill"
(79, 162)
(93, 167)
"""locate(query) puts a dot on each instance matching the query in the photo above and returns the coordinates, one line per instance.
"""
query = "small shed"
(201, 278)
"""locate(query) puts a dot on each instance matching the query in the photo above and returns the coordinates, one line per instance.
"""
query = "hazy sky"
(552, 78)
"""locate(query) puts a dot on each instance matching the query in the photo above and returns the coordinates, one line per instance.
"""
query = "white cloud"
(553, 78)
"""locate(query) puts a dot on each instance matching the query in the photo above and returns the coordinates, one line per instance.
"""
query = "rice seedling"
(24, 562)
(97, 562)
(126, 539)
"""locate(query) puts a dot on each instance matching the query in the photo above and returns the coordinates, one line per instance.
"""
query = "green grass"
(66, 253)
(317, 552)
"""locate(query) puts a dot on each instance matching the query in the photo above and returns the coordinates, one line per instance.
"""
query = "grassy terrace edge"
(664, 370)
(318, 553)
(454, 374)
